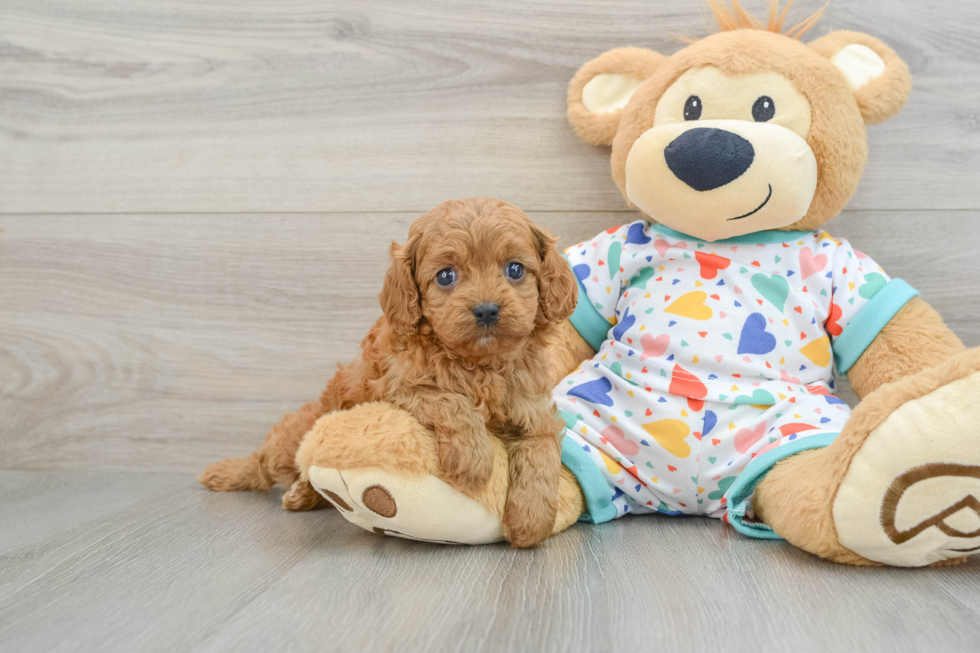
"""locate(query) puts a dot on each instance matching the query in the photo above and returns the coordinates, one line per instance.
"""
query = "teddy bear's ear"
(880, 80)
(603, 86)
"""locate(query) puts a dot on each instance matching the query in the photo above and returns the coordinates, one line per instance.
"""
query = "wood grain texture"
(153, 562)
(162, 343)
(301, 105)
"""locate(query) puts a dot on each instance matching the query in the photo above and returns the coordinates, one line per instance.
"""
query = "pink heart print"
(618, 440)
(787, 378)
(662, 246)
(653, 347)
(745, 438)
(810, 264)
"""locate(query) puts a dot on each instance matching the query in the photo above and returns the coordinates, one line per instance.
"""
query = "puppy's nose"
(707, 158)
(486, 314)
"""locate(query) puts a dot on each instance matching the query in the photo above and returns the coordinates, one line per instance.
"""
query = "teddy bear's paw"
(415, 507)
(911, 496)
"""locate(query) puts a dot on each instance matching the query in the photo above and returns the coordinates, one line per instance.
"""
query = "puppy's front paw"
(467, 467)
(529, 519)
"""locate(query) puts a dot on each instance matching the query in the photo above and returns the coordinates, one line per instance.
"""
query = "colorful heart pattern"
(773, 287)
(810, 264)
(710, 264)
(670, 434)
(691, 306)
(653, 347)
(714, 355)
(617, 439)
(754, 338)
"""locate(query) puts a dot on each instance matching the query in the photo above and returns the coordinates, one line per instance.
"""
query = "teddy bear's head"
(746, 130)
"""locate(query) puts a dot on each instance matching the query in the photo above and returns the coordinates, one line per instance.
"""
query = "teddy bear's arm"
(916, 338)
(566, 349)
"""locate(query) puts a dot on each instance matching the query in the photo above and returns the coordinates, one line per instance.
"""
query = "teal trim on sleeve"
(598, 496)
(740, 494)
(587, 320)
(869, 322)
(756, 238)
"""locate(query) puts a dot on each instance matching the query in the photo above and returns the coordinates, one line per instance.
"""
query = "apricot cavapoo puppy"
(470, 302)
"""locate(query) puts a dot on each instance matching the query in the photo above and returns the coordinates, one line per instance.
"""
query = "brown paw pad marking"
(901, 484)
(337, 501)
(379, 500)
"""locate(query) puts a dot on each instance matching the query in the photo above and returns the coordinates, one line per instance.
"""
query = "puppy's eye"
(692, 108)
(446, 277)
(764, 109)
(515, 271)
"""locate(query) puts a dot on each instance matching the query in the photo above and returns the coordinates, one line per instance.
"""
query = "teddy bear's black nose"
(706, 158)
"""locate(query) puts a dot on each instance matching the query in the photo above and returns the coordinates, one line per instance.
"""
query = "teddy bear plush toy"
(696, 375)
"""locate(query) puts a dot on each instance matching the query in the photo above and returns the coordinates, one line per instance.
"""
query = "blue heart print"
(636, 235)
(596, 392)
(620, 329)
(582, 271)
(754, 338)
(710, 419)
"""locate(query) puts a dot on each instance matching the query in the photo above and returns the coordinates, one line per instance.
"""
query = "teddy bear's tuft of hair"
(737, 17)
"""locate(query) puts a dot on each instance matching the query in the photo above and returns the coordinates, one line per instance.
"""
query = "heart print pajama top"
(713, 362)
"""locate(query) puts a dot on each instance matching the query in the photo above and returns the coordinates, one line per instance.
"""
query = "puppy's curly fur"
(430, 355)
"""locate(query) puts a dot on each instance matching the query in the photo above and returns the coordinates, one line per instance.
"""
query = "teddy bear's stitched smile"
(756, 209)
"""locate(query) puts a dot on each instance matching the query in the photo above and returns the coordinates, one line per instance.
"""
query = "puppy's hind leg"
(274, 463)
(235, 474)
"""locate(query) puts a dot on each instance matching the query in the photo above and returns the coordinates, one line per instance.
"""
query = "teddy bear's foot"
(911, 494)
(413, 507)
(378, 466)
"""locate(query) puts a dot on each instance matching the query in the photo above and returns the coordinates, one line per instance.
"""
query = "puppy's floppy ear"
(557, 287)
(603, 86)
(880, 80)
(399, 296)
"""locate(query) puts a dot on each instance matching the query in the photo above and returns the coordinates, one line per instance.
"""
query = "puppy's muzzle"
(486, 314)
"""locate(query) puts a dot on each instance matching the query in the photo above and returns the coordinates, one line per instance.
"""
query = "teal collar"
(757, 238)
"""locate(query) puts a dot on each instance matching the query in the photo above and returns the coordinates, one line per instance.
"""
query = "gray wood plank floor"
(196, 199)
(148, 562)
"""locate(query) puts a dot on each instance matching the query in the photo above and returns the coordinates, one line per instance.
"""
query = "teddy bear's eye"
(764, 109)
(692, 108)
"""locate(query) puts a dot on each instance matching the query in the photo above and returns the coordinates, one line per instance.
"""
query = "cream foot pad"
(911, 496)
(414, 507)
